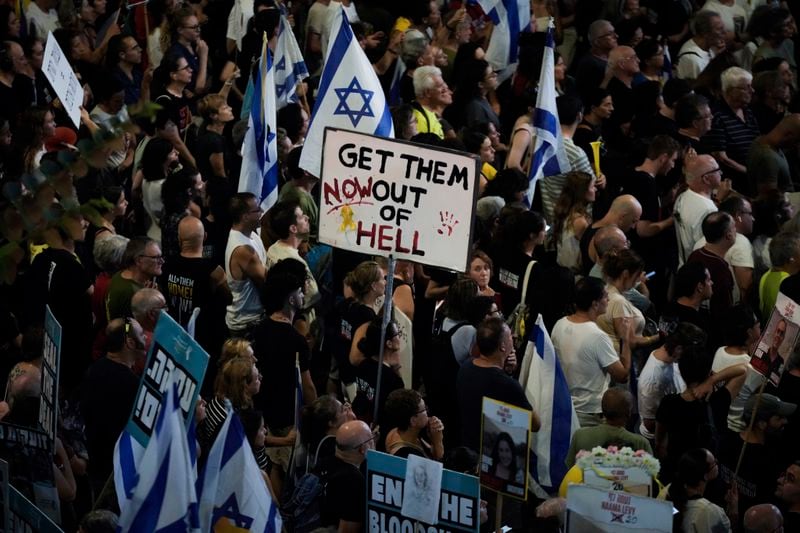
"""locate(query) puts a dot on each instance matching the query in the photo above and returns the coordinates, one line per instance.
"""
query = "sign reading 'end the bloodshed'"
(381, 196)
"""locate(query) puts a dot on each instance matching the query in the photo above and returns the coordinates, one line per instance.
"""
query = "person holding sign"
(489, 375)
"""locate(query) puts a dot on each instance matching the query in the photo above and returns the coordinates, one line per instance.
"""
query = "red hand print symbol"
(448, 222)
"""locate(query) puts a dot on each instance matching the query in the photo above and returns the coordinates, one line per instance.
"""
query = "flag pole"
(387, 316)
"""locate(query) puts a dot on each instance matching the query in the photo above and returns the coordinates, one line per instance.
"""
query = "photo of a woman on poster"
(504, 460)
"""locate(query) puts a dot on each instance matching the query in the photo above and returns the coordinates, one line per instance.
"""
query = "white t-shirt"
(734, 17)
(584, 351)
(702, 515)
(690, 210)
(723, 359)
(692, 60)
(739, 255)
(658, 379)
(619, 307)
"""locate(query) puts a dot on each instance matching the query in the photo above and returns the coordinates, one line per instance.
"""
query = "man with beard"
(761, 464)
(788, 493)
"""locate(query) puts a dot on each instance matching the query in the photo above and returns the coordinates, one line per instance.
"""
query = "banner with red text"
(386, 197)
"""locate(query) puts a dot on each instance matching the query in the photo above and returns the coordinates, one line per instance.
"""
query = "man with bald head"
(767, 167)
(191, 281)
(763, 518)
(703, 176)
(610, 239)
(344, 504)
(624, 213)
(617, 406)
(591, 67)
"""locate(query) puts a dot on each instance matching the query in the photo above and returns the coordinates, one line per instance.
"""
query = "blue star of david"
(230, 509)
(344, 109)
(281, 64)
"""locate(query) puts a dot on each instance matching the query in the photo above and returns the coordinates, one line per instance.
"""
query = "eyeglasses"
(158, 258)
(609, 34)
(360, 444)
(712, 172)
(745, 88)
(423, 410)
(196, 27)
(187, 67)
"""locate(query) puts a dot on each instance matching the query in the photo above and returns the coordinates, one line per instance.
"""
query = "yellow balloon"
(574, 475)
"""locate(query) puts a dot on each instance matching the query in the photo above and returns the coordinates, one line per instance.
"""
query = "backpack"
(518, 319)
(302, 511)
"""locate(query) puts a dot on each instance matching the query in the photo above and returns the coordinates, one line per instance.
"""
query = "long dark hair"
(692, 470)
(571, 201)
(504, 437)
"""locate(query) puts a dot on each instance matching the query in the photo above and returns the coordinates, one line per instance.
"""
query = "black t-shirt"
(366, 379)
(108, 393)
(508, 275)
(275, 345)
(186, 284)
(675, 313)
(586, 240)
(350, 315)
(345, 494)
(692, 424)
(211, 142)
(791, 287)
(177, 109)
(758, 473)
(475, 382)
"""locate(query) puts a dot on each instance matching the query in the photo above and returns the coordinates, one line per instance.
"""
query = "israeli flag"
(547, 391)
(350, 96)
(549, 157)
(290, 68)
(233, 495)
(259, 173)
(165, 497)
(510, 18)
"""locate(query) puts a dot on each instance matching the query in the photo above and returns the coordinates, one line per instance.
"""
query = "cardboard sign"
(173, 350)
(505, 440)
(777, 340)
(51, 363)
(459, 503)
(592, 510)
(58, 71)
(382, 196)
(630, 479)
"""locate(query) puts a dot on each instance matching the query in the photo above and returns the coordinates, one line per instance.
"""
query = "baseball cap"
(768, 406)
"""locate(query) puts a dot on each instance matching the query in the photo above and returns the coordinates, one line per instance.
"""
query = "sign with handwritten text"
(58, 71)
(387, 197)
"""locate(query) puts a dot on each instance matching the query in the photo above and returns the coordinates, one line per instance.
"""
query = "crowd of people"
(654, 260)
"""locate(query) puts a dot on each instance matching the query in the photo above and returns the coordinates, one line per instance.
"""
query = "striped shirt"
(730, 135)
(208, 429)
(551, 186)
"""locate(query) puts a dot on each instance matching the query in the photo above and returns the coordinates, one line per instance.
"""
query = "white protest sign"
(630, 479)
(421, 490)
(383, 196)
(591, 510)
(778, 339)
(59, 73)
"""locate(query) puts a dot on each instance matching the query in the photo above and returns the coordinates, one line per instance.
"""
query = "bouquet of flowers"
(612, 457)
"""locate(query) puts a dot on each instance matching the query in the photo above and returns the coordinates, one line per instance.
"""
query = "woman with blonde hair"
(572, 217)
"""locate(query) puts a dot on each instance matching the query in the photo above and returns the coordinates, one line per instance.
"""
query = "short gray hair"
(701, 23)
(144, 301)
(424, 79)
(414, 44)
(783, 247)
(596, 29)
(733, 75)
(108, 252)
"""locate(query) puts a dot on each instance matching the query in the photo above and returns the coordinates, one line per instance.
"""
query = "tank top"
(246, 306)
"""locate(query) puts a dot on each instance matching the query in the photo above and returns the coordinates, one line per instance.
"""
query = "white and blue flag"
(259, 173)
(233, 495)
(548, 393)
(164, 498)
(290, 68)
(549, 157)
(510, 18)
(350, 96)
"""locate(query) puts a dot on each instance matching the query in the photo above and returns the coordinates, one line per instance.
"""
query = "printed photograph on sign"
(381, 196)
(777, 341)
(504, 448)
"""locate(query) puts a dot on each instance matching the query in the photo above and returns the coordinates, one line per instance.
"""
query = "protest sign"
(387, 197)
(51, 363)
(505, 440)
(778, 339)
(25, 517)
(593, 510)
(5, 521)
(30, 467)
(173, 351)
(459, 505)
(421, 489)
(629, 479)
(58, 71)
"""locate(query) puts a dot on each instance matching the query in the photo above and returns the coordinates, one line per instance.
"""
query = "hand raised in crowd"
(600, 182)
(373, 40)
(201, 48)
(435, 430)
(510, 364)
